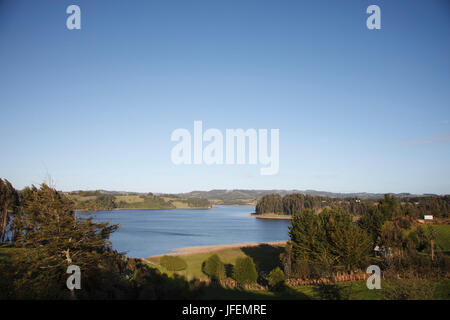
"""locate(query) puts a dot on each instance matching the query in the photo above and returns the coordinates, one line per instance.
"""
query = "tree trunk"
(1, 230)
(5, 215)
(432, 250)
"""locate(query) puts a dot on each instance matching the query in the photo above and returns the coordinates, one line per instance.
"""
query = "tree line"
(328, 241)
(416, 207)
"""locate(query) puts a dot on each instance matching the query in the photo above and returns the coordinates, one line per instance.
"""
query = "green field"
(129, 199)
(91, 201)
(443, 238)
(266, 258)
(350, 291)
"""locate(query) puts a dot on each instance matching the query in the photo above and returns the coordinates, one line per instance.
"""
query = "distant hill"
(108, 200)
(250, 197)
(216, 197)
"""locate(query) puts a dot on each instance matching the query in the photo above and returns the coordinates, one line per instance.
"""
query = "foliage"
(198, 203)
(173, 263)
(333, 291)
(413, 252)
(388, 208)
(108, 200)
(49, 236)
(8, 202)
(214, 268)
(276, 279)
(372, 221)
(117, 277)
(421, 237)
(55, 237)
(393, 236)
(443, 237)
(271, 203)
(245, 271)
(320, 242)
(351, 246)
(292, 204)
(409, 289)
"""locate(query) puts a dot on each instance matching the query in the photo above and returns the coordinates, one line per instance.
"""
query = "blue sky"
(357, 109)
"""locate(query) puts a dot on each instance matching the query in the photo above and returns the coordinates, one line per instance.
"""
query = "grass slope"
(266, 258)
(443, 237)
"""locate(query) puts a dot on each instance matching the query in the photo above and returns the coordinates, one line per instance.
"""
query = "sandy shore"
(209, 249)
(268, 216)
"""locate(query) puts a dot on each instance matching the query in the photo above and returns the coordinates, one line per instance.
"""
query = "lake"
(145, 233)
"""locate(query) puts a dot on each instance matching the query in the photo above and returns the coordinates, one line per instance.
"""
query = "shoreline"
(199, 208)
(196, 208)
(209, 249)
(273, 216)
(147, 209)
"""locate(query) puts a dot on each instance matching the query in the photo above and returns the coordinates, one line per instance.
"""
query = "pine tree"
(351, 246)
(54, 237)
(245, 271)
(214, 267)
(326, 240)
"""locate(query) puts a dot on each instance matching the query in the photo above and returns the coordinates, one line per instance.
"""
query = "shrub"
(276, 279)
(173, 263)
(333, 291)
(214, 268)
(245, 271)
(409, 289)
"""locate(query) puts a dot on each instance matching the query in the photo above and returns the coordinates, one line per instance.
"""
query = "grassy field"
(266, 258)
(129, 199)
(351, 291)
(132, 201)
(443, 237)
(79, 198)
(356, 290)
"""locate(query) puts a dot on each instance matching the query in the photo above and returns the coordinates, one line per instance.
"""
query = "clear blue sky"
(358, 110)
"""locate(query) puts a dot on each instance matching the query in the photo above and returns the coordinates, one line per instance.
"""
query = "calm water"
(145, 233)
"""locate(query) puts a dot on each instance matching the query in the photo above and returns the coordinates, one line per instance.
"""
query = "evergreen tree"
(276, 279)
(308, 238)
(372, 221)
(214, 268)
(245, 271)
(325, 240)
(351, 246)
(54, 237)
